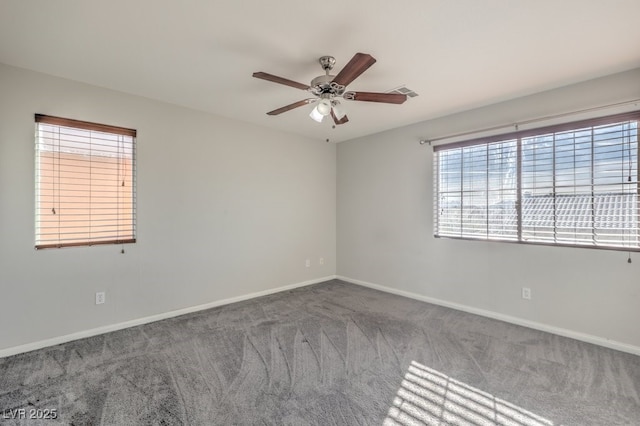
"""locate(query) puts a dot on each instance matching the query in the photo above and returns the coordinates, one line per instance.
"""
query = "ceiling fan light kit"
(316, 116)
(327, 88)
(324, 106)
(338, 109)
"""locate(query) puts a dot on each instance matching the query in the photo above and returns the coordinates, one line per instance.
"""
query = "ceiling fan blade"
(280, 80)
(289, 107)
(356, 66)
(388, 98)
(343, 120)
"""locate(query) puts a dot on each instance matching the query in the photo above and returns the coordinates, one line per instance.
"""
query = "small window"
(574, 185)
(85, 183)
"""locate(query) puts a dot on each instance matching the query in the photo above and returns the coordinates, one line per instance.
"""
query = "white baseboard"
(132, 323)
(612, 344)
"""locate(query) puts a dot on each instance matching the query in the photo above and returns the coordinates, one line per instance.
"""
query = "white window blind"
(575, 184)
(85, 183)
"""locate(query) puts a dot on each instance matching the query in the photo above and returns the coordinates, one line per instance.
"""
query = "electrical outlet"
(526, 293)
(100, 297)
(321, 261)
(307, 263)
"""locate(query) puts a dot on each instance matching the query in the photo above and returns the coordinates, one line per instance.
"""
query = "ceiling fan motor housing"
(324, 85)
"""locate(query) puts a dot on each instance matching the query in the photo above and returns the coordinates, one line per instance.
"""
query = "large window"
(85, 183)
(575, 184)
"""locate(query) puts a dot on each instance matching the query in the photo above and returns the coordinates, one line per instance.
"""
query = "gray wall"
(225, 209)
(385, 231)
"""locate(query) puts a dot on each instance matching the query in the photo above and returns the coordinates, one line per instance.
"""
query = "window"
(574, 184)
(85, 183)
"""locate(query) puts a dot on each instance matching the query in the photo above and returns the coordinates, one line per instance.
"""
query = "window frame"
(518, 136)
(131, 217)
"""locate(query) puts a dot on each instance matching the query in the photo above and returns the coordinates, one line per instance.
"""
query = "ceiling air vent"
(403, 90)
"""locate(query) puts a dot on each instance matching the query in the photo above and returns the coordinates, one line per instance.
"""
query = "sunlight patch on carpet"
(427, 396)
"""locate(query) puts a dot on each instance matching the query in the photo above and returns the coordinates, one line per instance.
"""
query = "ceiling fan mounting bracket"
(327, 63)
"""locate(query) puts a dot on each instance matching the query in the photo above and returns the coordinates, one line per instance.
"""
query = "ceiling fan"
(329, 88)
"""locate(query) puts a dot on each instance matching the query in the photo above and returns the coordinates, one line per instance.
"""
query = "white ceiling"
(456, 54)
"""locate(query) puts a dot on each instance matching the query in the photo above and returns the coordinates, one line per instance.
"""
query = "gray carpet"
(327, 354)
